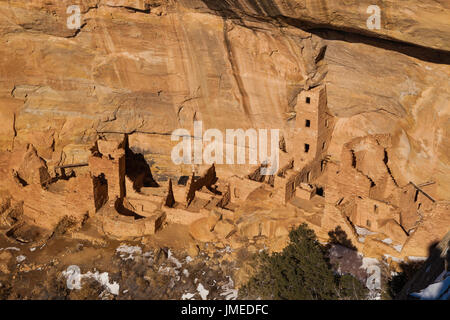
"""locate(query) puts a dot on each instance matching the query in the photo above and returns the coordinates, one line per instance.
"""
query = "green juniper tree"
(300, 272)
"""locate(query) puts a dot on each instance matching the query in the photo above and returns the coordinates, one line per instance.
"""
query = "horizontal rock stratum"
(423, 23)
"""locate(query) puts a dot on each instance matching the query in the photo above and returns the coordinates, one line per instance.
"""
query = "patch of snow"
(229, 292)
(374, 295)
(125, 250)
(202, 291)
(373, 283)
(164, 270)
(398, 247)
(361, 239)
(398, 260)
(387, 241)
(368, 262)
(172, 259)
(363, 231)
(20, 258)
(436, 291)
(189, 259)
(186, 273)
(187, 296)
(74, 277)
(413, 258)
(10, 248)
(103, 279)
(32, 249)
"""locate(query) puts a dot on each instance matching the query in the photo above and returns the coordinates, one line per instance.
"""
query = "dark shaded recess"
(21, 181)
(100, 184)
(306, 148)
(339, 237)
(214, 190)
(120, 208)
(353, 159)
(138, 170)
(147, 11)
(182, 181)
(266, 9)
(229, 7)
(25, 233)
(320, 191)
(170, 199)
(271, 180)
(257, 176)
(412, 50)
(417, 275)
(77, 31)
(65, 176)
(397, 282)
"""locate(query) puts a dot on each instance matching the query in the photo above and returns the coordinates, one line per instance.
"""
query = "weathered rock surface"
(413, 21)
(150, 72)
(146, 68)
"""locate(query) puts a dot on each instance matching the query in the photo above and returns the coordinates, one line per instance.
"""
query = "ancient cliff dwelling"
(92, 91)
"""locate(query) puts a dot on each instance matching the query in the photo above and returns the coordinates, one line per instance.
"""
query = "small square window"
(308, 100)
(307, 123)
(306, 148)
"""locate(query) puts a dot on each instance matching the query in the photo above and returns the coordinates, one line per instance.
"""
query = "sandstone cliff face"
(149, 67)
(418, 22)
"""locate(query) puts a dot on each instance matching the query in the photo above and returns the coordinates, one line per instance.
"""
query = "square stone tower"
(313, 126)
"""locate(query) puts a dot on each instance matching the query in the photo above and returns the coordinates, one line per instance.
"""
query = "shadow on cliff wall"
(266, 9)
(138, 170)
(339, 237)
(417, 275)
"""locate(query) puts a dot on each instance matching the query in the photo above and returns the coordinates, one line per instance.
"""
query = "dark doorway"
(100, 191)
(138, 170)
(306, 148)
(320, 192)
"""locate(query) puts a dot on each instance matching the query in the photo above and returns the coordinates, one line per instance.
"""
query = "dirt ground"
(152, 268)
